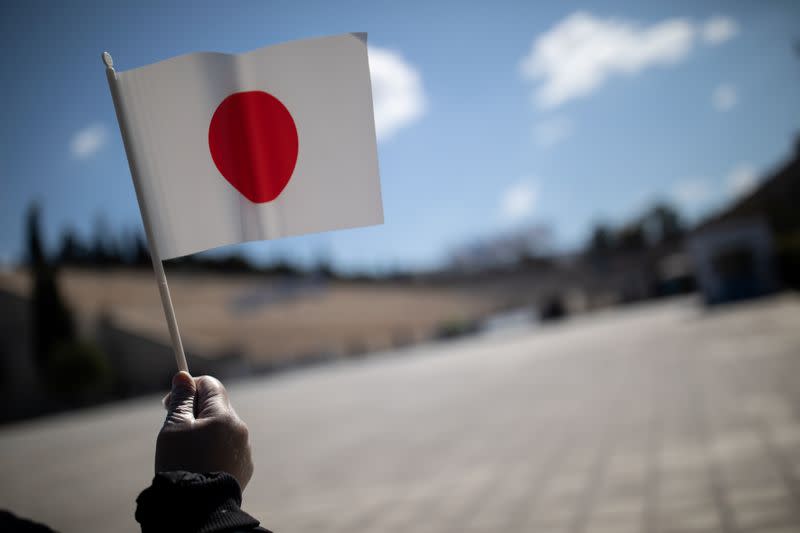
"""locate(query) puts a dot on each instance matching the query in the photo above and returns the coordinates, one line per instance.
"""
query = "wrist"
(187, 501)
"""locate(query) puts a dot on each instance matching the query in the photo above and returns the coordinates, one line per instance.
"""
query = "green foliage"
(77, 370)
(455, 328)
(660, 224)
(664, 223)
(72, 369)
(602, 239)
(52, 321)
(36, 258)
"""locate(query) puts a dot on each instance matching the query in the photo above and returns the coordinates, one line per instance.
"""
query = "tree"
(142, 253)
(52, 321)
(632, 236)
(36, 258)
(601, 240)
(72, 251)
(663, 224)
(72, 369)
(660, 224)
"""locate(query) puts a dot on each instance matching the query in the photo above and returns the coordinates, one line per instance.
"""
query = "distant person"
(202, 465)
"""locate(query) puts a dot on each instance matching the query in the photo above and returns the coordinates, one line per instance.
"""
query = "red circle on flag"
(253, 142)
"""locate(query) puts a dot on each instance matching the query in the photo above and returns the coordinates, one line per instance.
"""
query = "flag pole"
(158, 266)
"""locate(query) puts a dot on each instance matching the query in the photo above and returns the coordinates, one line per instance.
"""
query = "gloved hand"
(202, 432)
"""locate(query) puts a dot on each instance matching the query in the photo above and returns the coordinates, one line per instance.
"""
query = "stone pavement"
(656, 418)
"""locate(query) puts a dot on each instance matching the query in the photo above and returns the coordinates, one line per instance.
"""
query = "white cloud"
(87, 141)
(582, 52)
(695, 194)
(552, 131)
(719, 29)
(741, 180)
(724, 97)
(397, 93)
(519, 200)
(692, 193)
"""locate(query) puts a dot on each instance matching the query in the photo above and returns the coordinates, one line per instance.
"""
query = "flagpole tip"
(107, 60)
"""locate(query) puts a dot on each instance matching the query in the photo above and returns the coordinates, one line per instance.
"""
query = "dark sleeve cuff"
(192, 503)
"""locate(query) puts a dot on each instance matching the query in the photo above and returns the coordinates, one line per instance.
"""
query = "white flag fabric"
(275, 142)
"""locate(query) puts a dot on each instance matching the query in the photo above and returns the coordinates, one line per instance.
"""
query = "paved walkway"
(653, 419)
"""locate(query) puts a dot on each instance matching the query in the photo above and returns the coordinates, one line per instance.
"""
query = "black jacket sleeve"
(185, 502)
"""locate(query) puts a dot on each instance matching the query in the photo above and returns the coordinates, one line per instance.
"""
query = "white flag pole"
(158, 266)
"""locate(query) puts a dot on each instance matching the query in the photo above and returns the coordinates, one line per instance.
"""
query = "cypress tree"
(52, 322)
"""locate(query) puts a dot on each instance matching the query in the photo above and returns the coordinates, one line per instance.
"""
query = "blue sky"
(492, 115)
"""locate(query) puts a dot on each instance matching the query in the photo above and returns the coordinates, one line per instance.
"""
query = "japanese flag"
(275, 142)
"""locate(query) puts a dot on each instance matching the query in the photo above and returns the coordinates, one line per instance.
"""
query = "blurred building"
(733, 260)
(753, 246)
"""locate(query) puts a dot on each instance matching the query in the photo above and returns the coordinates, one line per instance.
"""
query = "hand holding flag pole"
(158, 266)
(229, 148)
